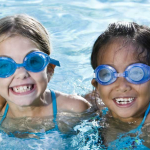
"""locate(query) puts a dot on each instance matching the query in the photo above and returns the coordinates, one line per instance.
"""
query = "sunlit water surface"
(73, 27)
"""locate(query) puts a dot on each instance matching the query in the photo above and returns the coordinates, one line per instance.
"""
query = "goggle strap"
(55, 62)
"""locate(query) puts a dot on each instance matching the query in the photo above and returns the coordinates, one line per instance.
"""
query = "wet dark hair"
(137, 34)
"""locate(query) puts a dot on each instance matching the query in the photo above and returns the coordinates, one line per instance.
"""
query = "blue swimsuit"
(54, 104)
(125, 141)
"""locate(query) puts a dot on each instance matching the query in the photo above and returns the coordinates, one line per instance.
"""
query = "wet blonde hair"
(26, 26)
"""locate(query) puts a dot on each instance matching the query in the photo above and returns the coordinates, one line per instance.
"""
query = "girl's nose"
(122, 85)
(21, 73)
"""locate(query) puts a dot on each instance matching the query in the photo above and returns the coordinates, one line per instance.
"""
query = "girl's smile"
(124, 101)
(23, 89)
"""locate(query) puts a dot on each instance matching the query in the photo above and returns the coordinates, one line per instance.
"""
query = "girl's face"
(119, 58)
(23, 88)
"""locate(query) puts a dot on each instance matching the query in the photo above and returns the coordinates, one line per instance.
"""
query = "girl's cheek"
(40, 76)
(5, 81)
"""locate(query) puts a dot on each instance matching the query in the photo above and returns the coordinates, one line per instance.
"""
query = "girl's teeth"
(21, 89)
(124, 100)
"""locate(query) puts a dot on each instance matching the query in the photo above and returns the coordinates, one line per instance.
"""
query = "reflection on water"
(36, 132)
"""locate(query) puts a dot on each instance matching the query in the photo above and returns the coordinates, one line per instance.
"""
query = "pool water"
(106, 132)
(73, 27)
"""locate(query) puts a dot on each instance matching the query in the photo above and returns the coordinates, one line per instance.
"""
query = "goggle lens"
(35, 63)
(136, 74)
(104, 75)
(5, 67)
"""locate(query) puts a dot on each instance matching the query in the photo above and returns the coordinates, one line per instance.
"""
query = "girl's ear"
(94, 83)
(50, 71)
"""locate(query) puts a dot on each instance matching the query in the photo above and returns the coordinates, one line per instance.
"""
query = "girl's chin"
(123, 116)
(23, 103)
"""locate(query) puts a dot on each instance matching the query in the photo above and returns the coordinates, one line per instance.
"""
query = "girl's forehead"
(4, 37)
(117, 52)
(16, 47)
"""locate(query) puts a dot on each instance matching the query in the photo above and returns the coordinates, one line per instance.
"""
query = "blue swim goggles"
(35, 61)
(137, 73)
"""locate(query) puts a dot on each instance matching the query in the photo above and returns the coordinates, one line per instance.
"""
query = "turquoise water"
(73, 26)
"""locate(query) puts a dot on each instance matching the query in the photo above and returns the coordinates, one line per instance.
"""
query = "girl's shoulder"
(147, 119)
(2, 109)
(73, 103)
(2, 105)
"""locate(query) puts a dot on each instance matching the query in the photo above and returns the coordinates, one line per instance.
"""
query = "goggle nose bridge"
(119, 74)
(20, 65)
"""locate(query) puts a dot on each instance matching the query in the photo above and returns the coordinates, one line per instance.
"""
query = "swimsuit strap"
(5, 114)
(54, 108)
(54, 103)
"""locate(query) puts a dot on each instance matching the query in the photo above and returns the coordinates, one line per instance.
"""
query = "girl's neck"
(38, 109)
(18, 112)
(130, 120)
